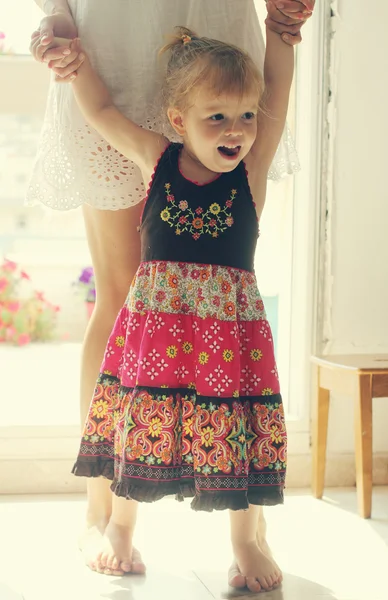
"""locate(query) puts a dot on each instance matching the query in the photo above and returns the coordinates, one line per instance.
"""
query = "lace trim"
(76, 166)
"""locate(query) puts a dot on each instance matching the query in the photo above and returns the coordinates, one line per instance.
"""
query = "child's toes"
(253, 585)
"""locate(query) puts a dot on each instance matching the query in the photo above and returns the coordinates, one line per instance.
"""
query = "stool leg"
(364, 456)
(319, 431)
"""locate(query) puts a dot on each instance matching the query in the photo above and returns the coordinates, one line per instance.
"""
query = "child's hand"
(61, 54)
(66, 68)
(286, 17)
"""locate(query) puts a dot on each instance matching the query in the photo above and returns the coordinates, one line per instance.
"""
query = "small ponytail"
(179, 40)
(194, 60)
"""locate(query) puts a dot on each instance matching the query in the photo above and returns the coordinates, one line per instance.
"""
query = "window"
(17, 22)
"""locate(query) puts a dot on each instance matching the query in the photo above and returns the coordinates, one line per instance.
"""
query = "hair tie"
(186, 39)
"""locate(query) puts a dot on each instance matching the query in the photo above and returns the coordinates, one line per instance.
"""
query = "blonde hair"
(195, 61)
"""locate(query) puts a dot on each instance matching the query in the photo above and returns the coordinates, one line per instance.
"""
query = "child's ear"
(176, 119)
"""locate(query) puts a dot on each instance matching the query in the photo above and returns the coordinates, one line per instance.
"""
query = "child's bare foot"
(252, 547)
(237, 580)
(90, 543)
(258, 571)
(117, 555)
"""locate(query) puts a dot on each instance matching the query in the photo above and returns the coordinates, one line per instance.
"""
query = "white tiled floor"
(327, 552)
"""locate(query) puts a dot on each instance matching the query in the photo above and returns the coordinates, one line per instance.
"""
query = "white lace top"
(122, 37)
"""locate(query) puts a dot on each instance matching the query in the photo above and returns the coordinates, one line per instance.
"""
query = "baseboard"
(43, 466)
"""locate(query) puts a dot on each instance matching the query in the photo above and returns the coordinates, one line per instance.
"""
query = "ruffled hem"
(203, 501)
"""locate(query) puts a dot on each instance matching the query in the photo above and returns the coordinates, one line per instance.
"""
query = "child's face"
(220, 131)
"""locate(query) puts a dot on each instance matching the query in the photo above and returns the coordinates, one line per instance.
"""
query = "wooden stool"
(363, 377)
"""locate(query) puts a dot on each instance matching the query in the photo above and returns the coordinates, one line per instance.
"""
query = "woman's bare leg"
(114, 245)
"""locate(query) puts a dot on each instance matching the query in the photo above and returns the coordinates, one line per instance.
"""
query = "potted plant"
(85, 284)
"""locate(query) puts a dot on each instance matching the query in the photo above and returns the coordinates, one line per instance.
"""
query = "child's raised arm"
(278, 76)
(141, 146)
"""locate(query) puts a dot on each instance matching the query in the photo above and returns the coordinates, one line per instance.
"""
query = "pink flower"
(24, 275)
(56, 308)
(3, 284)
(2, 35)
(9, 265)
(23, 339)
(9, 333)
(13, 307)
(40, 296)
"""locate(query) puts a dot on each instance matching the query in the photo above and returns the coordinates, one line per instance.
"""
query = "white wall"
(359, 213)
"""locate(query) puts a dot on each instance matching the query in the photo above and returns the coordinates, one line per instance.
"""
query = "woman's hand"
(63, 60)
(286, 17)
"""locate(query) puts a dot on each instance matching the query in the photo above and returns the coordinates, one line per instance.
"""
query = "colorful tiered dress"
(187, 401)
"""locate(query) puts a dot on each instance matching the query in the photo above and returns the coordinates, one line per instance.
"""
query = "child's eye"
(217, 117)
(248, 116)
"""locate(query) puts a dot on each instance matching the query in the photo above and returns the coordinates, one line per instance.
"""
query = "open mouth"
(229, 152)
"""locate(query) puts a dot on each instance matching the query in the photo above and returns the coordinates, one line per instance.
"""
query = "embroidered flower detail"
(262, 411)
(187, 347)
(203, 358)
(267, 392)
(175, 303)
(173, 281)
(155, 428)
(228, 355)
(229, 308)
(160, 296)
(172, 351)
(256, 354)
(197, 222)
(215, 208)
(207, 437)
(165, 214)
(120, 341)
(226, 288)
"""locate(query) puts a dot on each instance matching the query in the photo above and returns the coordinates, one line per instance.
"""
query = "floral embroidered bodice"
(214, 223)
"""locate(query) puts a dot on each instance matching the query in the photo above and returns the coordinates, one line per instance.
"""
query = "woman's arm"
(51, 7)
(140, 145)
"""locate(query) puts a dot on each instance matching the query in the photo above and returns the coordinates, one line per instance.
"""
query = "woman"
(75, 167)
